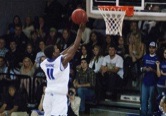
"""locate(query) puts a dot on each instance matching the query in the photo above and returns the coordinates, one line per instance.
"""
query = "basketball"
(79, 16)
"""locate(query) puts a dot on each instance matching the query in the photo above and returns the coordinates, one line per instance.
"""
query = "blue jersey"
(162, 78)
(150, 77)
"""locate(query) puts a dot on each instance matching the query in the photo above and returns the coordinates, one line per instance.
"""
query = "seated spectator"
(34, 40)
(106, 44)
(52, 38)
(11, 26)
(67, 39)
(27, 68)
(86, 35)
(84, 53)
(19, 37)
(40, 53)
(74, 102)
(3, 49)
(30, 52)
(13, 56)
(112, 70)
(13, 104)
(28, 26)
(39, 111)
(41, 27)
(85, 83)
(97, 59)
(95, 64)
(95, 39)
(122, 49)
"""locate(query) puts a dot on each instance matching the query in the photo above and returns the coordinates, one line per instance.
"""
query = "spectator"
(30, 52)
(41, 27)
(67, 38)
(95, 64)
(34, 40)
(74, 102)
(86, 35)
(136, 52)
(13, 56)
(85, 83)
(97, 59)
(149, 81)
(19, 37)
(3, 49)
(161, 73)
(94, 40)
(122, 49)
(112, 70)
(27, 68)
(83, 53)
(16, 21)
(13, 104)
(107, 42)
(40, 111)
(133, 29)
(28, 26)
(40, 53)
(52, 38)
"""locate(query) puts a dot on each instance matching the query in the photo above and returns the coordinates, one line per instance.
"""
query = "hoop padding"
(113, 17)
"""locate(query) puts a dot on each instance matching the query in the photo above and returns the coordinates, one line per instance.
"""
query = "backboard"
(143, 9)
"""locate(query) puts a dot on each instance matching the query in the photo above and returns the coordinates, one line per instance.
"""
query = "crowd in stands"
(102, 63)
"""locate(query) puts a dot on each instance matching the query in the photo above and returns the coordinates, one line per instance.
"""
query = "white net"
(114, 20)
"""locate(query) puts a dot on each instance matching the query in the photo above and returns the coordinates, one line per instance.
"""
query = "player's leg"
(59, 107)
(47, 104)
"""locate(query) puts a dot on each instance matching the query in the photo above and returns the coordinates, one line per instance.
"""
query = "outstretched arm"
(70, 52)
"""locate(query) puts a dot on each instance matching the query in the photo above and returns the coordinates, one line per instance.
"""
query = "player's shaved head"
(48, 51)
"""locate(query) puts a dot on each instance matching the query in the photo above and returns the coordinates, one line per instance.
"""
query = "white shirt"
(117, 61)
(75, 105)
(86, 35)
(38, 56)
(27, 31)
(97, 64)
(57, 76)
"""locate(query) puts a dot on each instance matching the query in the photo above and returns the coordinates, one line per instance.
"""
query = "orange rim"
(129, 9)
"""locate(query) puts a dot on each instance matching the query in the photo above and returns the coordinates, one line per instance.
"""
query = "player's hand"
(82, 26)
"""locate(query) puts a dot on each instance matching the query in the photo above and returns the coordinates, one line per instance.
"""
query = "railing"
(17, 79)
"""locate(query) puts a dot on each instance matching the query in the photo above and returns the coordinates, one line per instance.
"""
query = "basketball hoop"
(114, 16)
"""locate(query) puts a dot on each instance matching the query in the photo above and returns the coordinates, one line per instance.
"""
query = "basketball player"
(56, 68)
